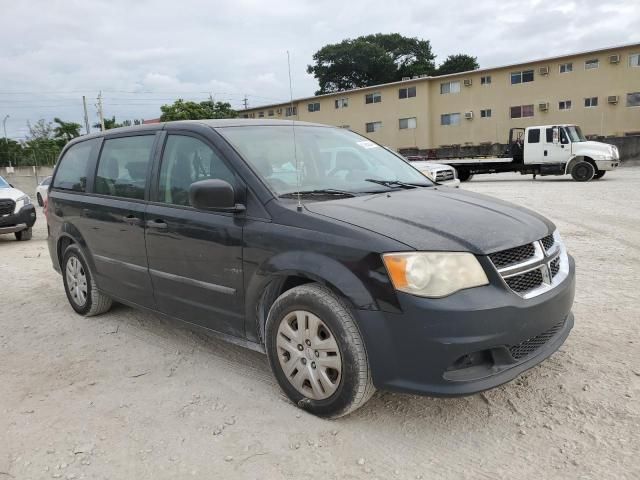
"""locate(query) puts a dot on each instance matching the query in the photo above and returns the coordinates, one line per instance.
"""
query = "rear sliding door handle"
(157, 224)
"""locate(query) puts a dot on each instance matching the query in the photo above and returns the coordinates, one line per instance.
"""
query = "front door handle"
(157, 224)
(132, 220)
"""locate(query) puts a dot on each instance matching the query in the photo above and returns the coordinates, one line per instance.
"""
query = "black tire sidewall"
(599, 174)
(73, 250)
(347, 390)
(40, 201)
(583, 171)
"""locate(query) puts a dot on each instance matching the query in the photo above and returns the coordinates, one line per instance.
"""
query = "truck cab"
(562, 149)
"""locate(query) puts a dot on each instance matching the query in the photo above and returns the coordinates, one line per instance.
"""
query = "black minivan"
(339, 260)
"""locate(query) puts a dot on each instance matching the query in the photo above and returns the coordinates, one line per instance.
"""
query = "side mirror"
(216, 195)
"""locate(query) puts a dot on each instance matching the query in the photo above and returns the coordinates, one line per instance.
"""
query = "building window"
(342, 102)
(252, 115)
(486, 80)
(564, 105)
(373, 98)
(373, 127)
(449, 87)
(260, 114)
(407, 92)
(591, 102)
(407, 123)
(566, 67)
(450, 119)
(521, 111)
(593, 63)
(486, 113)
(633, 99)
(634, 60)
(521, 77)
(245, 115)
(291, 111)
(314, 107)
(270, 113)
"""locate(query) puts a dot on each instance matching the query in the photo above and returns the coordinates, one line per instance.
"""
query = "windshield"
(575, 134)
(3, 183)
(328, 159)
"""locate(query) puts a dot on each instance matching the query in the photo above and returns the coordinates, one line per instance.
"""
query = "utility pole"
(86, 115)
(6, 140)
(100, 111)
(245, 102)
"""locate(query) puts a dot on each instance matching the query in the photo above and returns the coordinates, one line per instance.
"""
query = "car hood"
(440, 219)
(11, 193)
(591, 146)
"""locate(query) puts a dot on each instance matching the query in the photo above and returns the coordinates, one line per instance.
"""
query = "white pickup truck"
(544, 150)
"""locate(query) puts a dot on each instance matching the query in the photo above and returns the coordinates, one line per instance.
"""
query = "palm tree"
(66, 130)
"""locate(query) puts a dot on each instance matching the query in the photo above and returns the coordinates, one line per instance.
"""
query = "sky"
(142, 54)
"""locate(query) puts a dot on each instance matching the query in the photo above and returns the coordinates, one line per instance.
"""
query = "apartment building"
(598, 90)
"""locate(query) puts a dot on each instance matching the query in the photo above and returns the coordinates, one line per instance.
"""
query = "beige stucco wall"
(428, 104)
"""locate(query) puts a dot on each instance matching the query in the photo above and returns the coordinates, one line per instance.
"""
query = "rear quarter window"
(72, 171)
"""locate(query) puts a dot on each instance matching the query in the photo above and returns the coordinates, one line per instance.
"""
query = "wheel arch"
(576, 159)
(291, 269)
(70, 235)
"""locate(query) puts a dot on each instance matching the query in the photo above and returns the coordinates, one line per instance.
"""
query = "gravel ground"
(129, 396)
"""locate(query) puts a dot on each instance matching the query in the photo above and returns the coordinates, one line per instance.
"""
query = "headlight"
(434, 274)
(21, 202)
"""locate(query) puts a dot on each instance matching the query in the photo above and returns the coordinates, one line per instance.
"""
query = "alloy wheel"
(76, 281)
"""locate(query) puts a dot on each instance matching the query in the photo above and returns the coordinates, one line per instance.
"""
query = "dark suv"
(343, 263)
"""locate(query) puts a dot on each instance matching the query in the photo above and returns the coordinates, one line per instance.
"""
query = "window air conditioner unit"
(406, 78)
(544, 70)
(415, 76)
(468, 115)
(543, 106)
(612, 99)
(467, 82)
(614, 58)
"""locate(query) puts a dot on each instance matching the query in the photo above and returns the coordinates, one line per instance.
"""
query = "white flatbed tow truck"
(544, 150)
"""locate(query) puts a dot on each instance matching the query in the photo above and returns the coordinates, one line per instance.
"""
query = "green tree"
(109, 123)
(66, 130)
(41, 130)
(181, 110)
(10, 152)
(370, 60)
(458, 63)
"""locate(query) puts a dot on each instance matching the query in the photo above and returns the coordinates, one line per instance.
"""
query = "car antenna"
(293, 129)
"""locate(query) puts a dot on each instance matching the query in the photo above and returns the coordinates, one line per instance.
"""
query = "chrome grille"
(444, 175)
(7, 206)
(529, 346)
(513, 255)
(532, 269)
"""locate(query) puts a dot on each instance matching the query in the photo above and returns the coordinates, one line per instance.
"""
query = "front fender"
(267, 279)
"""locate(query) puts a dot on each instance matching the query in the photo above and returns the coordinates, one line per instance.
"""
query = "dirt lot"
(129, 396)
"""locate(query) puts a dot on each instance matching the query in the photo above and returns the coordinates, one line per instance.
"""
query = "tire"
(87, 301)
(599, 174)
(40, 202)
(335, 391)
(583, 171)
(24, 235)
(464, 175)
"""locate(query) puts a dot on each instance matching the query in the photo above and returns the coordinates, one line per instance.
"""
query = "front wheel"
(25, 234)
(599, 174)
(583, 171)
(40, 202)
(316, 352)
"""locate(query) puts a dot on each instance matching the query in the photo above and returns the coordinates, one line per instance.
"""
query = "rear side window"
(186, 160)
(534, 135)
(72, 171)
(123, 166)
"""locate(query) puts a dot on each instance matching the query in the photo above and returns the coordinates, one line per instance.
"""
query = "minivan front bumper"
(468, 342)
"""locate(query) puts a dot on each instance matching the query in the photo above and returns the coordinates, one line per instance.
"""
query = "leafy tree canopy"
(181, 110)
(370, 60)
(458, 63)
(66, 130)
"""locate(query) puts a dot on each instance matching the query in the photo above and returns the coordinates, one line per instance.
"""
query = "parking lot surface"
(127, 395)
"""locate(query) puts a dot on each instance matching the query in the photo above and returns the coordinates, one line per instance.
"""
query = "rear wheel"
(464, 175)
(316, 352)
(583, 171)
(81, 290)
(599, 174)
(40, 202)
(25, 234)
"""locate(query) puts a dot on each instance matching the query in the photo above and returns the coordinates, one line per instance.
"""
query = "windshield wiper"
(394, 183)
(319, 192)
